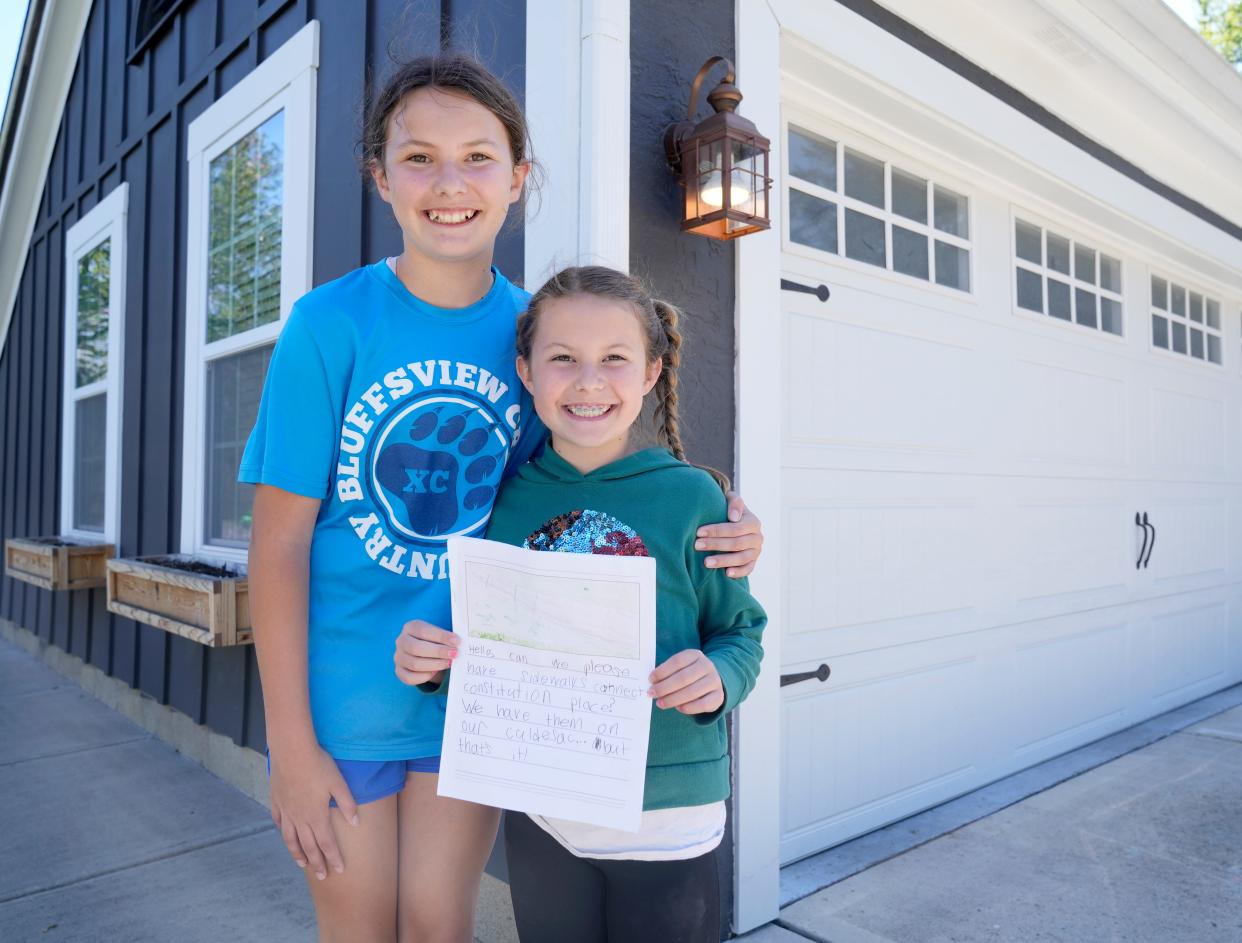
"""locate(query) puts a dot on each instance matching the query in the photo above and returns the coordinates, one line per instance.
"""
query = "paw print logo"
(437, 465)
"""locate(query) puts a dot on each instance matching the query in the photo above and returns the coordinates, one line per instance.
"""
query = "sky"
(13, 14)
(1188, 10)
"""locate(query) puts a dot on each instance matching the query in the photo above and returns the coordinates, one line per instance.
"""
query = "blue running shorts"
(371, 780)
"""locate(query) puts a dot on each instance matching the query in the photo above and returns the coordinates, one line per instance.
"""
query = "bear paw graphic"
(450, 463)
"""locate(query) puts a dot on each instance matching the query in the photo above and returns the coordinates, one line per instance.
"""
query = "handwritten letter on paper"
(547, 704)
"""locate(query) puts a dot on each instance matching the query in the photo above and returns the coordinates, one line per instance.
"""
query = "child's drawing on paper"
(585, 617)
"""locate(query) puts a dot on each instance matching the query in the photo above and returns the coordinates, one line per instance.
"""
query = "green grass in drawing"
(582, 617)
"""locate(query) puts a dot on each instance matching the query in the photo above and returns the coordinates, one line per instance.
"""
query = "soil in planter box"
(194, 566)
(54, 541)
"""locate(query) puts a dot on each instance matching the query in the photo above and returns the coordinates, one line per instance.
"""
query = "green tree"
(1220, 23)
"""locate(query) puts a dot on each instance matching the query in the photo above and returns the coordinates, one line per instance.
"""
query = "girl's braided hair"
(662, 338)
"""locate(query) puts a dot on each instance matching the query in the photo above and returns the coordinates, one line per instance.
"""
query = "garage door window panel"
(864, 238)
(1030, 291)
(884, 215)
(812, 221)
(813, 158)
(1071, 281)
(910, 253)
(909, 196)
(864, 178)
(952, 213)
(1185, 321)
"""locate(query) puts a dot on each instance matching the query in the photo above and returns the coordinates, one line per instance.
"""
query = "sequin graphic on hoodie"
(587, 531)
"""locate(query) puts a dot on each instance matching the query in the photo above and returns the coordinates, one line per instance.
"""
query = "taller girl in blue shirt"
(390, 414)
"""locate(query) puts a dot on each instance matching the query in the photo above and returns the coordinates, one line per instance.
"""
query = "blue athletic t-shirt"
(403, 418)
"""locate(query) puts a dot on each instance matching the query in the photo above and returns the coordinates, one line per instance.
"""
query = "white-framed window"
(90, 478)
(844, 201)
(1185, 320)
(248, 258)
(1065, 278)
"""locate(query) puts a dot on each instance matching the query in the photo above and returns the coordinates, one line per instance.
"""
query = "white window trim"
(106, 221)
(1075, 236)
(1190, 285)
(286, 81)
(845, 136)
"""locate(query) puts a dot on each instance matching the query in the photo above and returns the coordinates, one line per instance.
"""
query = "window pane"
(1196, 307)
(1196, 343)
(1084, 307)
(1084, 264)
(1110, 273)
(1179, 336)
(909, 196)
(746, 177)
(234, 385)
(1058, 253)
(244, 213)
(813, 158)
(708, 195)
(94, 282)
(1213, 348)
(864, 236)
(910, 253)
(1110, 316)
(1059, 299)
(812, 221)
(90, 435)
(1159, 293)
(1029, 242)
(864, 180)
(952, 266)
(952, 213)
(1030, 291)
(1213, 314)
(1159, 331)
(1177, 299)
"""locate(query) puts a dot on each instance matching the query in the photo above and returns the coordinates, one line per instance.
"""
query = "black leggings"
(561, 898)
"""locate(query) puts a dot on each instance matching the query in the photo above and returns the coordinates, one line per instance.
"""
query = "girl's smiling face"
(448, 174)
(588, 374)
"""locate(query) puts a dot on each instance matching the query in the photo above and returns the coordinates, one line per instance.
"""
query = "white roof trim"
(42, 105)
(1129, 74)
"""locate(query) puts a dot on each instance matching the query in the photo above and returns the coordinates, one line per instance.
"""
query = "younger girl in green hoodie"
(591, 345)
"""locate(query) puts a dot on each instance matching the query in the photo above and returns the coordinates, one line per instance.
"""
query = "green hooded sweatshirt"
(650, 500)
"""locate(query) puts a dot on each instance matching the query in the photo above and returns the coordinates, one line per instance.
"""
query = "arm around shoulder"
(731, 620)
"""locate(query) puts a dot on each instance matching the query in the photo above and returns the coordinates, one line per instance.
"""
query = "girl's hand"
(424, 652)
(303, 781)
(689, 682)
(739, 542)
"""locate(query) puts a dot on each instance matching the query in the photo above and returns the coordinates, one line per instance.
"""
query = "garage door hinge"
(821, 291)
(822, 673)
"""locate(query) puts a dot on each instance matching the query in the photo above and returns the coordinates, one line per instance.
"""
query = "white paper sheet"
(547, 703)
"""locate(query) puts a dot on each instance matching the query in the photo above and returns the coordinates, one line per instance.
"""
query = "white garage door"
(972, 421)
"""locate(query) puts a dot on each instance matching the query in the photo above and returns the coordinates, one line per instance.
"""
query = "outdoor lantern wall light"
(723, 148)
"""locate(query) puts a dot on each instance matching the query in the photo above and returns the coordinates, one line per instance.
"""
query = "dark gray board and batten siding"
(668, 44)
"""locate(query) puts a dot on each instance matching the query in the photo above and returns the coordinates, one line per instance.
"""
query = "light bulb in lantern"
(712, 193)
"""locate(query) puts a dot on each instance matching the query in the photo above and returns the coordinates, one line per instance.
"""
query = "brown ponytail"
(663, 339)
(666, 389)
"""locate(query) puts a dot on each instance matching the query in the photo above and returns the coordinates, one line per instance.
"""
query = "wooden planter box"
(57, 562)
(196, 599)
